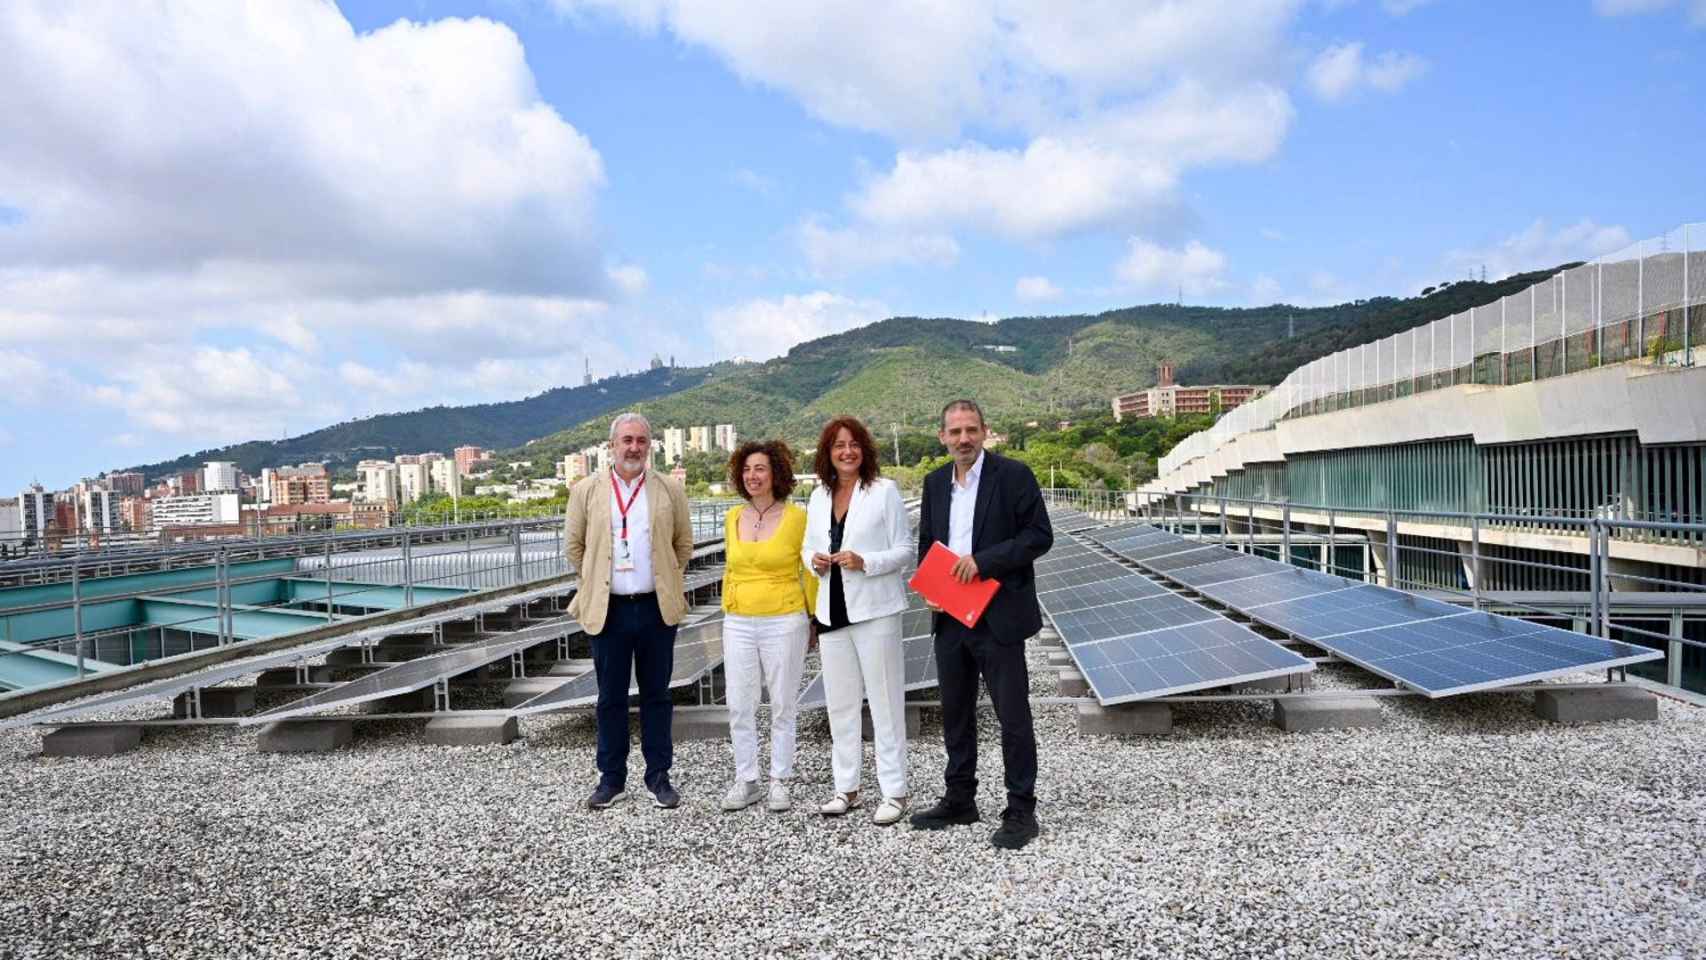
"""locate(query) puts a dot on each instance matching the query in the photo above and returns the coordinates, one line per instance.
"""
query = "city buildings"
(726, 437)
(135, 514)
(218, 476)
(442, 475)
(674, 444)
(193, 509)
(466, 457)
(575, 466)
(35, 512)
(699, 439)
(100, 510)
(304, 483)
(378, 481)
(130, 484)
(1168, 399)
(412, 479)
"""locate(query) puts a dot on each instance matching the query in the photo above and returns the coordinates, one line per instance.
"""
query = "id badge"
(624, 555)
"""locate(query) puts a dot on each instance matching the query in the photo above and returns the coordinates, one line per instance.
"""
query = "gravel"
(1459, 828)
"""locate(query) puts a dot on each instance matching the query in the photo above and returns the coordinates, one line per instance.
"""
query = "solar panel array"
(917, 652)
(1435, 648)
(1134, 639)
(698, 650)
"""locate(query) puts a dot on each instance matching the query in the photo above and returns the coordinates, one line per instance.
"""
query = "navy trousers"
(961, 655)
(636, 644)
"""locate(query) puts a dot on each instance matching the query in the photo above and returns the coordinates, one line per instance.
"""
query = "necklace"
(758, 518)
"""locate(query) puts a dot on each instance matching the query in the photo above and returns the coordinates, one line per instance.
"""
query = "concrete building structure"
(699, 439)
(218, 476)
(35, 512)
(263, 489)
(725, 437)
(378, 481)
(412, 479)
(442, 476)
(193, 510)
(1169, 399)
(99, 511)
(467, 456)
(11, 526)
(674, 445)
(303, 483)
(134, 512)
(127, 484)
(575, 467)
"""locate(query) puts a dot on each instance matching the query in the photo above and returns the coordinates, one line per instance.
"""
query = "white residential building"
(99, 509)
(35, 512)
(575, 466)
(699, 439)
(726, 437)
(196, 508)
(218, 476)
(264, 493)
(11, 525)
(412, 480)
(674, 444)
(378, 481)
(441, 473)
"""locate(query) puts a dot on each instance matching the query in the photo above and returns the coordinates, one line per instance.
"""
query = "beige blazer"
(587, 544)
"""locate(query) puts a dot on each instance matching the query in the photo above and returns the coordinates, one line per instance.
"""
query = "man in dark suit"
(988, 510)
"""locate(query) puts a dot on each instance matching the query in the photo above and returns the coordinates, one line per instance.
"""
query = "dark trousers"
(961, 655)
(636, 644)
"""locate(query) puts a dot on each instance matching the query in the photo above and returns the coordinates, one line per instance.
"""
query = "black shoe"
(1018, 828)
(664, 795)
(604, 795)
(945, 813)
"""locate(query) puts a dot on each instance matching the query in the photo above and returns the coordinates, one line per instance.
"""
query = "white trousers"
(768, 652)
(860, 662)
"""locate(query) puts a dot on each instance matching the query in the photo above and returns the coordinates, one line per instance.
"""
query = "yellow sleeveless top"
(767, 578)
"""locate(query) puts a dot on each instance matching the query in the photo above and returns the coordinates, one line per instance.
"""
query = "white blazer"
(877, 531)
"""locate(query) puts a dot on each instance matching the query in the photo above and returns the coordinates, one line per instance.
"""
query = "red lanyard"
(625, 507)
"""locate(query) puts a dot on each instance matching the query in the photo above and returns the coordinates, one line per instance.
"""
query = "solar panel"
(1128, 617)
(1143, 538)
(1117, 530)
(1189, 558)
(420, 673)
(1426, 645)
(1151, 551)
(1212, 653)
(918, 666)
(698, 650)
(1071, 578)
(1069, 562)
(1130, 586)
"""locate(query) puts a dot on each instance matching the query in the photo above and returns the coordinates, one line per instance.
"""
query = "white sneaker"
(779, 800)
(889, 811)
(742, 794)
(839, 804)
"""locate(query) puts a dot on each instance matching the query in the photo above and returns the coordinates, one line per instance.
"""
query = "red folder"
(935, 582)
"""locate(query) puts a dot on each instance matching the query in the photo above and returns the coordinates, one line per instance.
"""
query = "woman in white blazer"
(858, 544)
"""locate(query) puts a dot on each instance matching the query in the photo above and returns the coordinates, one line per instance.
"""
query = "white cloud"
(1624, 8)
(760, 329)
(758, 183)
(1114, 168)
(1342, 71)
(273, 137)
(1537, 246)
(292, 332)
(1194, 268)
(630, 279)
(832, 252)
(28, 380)
(1087, 113)
(1399, 8)
(1035, 289)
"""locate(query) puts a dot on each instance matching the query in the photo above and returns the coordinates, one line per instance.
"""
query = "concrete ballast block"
(1072, 683)
(1125, 720)
(709, 725)
(914, 722)
(1303, 715)
(91, 741)
(415, 701)
(518, 692)
(570, 668)
(1048, 639)
(1585, 705)
(1059, 658)
(216, 702)
(471, 731)
(305, 736)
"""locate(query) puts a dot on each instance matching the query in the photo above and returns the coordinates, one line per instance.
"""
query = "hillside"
(896, 371)
(496, 425)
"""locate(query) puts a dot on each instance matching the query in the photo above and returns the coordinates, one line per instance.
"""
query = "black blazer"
(1010, 531)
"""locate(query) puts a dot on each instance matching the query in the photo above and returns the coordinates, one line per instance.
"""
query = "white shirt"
(640, 579)
(962, 507)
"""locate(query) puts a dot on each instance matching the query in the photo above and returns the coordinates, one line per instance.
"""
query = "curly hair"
(781, 467)
(824, 464)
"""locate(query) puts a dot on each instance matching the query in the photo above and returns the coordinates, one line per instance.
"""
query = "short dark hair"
(824, 463)
(781, 466)
(963, 405)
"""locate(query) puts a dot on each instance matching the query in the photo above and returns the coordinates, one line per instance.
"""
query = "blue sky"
(227, 221)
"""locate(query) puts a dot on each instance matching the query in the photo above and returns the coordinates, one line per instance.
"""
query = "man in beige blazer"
(630, 535)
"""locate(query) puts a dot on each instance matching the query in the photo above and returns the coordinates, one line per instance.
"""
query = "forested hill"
(895, 372)
(495, 425)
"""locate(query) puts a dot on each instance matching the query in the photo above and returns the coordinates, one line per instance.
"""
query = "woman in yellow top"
(767, 596)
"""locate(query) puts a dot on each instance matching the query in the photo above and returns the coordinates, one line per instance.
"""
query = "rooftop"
(1460, 827)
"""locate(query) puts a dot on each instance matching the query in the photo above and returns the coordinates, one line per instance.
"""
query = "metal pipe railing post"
(328, 572)
(1285, 533)
(77, 610)
(1392, 550)
(1673, 651)
(1250, 528)
(1225, 523)
(515, 534)
(1332, 547)
(1475, 559)
(408, 570)
(221, 594)
(1595, 574)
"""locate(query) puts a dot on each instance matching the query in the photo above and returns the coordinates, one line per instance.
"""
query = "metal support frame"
(1332, 565)
(515, 534)
(1392, 550)
(1475, 560)
(77, 610)
(408, 570)
(441, 695)
(1285, 534)
(330, 605)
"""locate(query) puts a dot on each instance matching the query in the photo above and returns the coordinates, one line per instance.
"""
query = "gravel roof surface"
(1460, 828)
